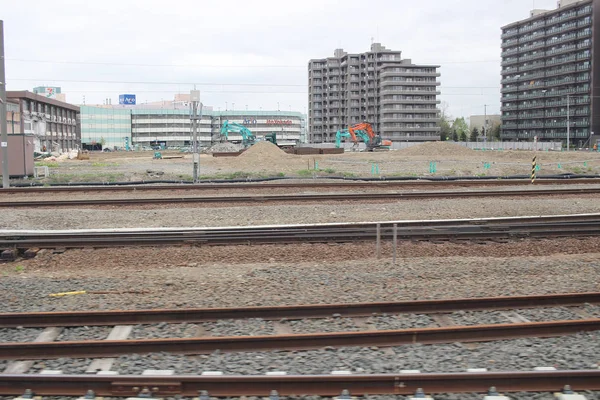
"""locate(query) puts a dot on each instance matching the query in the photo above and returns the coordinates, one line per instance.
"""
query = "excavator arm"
(248, 137)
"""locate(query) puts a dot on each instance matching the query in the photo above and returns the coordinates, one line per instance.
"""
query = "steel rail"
(481, 229)
(132, 317)
(299, 185)
(386, 338)
(299, 198)
(290, 385)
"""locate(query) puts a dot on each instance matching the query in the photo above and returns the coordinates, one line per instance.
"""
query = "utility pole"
(568, 122)
(485, 122)
(3, 127)
(194, 102)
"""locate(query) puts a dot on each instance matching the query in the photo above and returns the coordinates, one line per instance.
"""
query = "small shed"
(20, 155)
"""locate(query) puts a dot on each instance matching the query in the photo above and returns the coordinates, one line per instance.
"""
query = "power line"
(208, 83)
(212, 65)
(157, 83)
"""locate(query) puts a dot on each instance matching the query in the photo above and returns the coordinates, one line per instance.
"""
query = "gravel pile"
(224, 147)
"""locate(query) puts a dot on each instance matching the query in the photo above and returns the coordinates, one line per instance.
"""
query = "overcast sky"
(250, 53)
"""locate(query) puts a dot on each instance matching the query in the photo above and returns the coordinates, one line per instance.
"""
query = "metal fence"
(543, 146)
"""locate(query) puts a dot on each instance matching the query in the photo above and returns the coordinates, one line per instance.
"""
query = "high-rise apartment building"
(549, 76)
(396, 96)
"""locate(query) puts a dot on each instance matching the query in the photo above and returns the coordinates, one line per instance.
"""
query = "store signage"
(279, 122)
(249, 121)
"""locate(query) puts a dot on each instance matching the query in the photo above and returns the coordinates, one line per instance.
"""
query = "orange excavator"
(373, 141)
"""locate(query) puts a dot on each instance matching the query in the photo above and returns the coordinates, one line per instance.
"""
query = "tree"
(461, 128)
(444, 122)
(454, 135)
(495, 132)
(474, 135)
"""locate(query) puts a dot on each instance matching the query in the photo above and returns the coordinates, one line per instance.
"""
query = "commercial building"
(51, 92)
(54, 124)
(168, 124)
(550, 75)
(397, 97)
(105, 127)
(172, 127)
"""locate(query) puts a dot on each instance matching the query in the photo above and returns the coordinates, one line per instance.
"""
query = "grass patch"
(241, 175)
(104, 164)
(71, 178)
(305, 172)
(49, 164)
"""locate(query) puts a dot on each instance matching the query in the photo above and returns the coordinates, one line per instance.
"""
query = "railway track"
(15, 380)
(318, 198)
(290, 385)
(493, 229)
(446, 332)
(302, 185)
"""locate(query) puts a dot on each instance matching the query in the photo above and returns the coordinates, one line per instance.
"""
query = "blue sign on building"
(128, 99)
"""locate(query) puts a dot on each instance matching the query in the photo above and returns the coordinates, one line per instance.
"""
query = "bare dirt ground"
(266, 160)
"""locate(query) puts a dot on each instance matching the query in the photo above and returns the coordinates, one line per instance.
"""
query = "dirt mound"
(264, 150)
(437, 149)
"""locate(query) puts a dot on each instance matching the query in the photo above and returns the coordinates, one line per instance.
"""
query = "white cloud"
(239, 41)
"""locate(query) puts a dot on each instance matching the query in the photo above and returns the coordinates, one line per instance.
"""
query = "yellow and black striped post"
(533, 169)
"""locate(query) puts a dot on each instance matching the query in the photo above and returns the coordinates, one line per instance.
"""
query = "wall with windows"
(105, 127)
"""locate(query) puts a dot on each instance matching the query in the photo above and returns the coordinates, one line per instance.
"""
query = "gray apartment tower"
(394, 95)
(550, 75)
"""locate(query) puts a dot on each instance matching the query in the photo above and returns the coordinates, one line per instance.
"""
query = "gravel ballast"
(569, 352)
(119, 217)
(170, 280)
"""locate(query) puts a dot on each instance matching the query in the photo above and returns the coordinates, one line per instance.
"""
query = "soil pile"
(264, 151)
(437, 149)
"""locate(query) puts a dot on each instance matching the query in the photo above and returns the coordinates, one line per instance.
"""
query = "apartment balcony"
(562, 71)
(584, 34)
(510, 52)
(533, 47)
(562, 50)
(511, 33)
(409, 101)
(532, 27)
(509, 89)
(529, 77)
(566, 38)
(531, 38)
(509, 108)
(567, 27)
(532, 67)
(531, 57)
(410, 92)
(562, 60)
(509, 80)
(566, 17)
(511, 61)
(509, 117)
